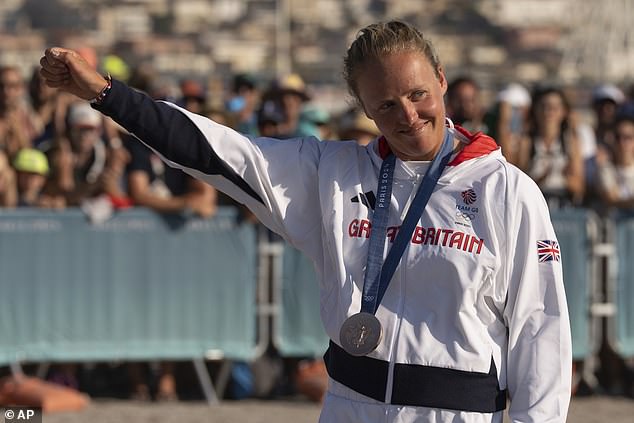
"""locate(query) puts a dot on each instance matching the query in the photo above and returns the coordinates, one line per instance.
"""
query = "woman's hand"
(67, 70)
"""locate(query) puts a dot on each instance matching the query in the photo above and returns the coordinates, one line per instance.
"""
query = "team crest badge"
(469, 196)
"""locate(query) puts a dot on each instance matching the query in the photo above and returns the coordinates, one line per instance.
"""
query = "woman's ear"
(442, 79)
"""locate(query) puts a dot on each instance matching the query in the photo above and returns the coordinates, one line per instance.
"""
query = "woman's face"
(11, 89)
(551, 110)
(404, 97)
(625, 139)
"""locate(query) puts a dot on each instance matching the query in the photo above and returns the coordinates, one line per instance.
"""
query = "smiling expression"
(403, 94)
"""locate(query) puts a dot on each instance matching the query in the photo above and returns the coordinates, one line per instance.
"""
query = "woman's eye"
(417, 94)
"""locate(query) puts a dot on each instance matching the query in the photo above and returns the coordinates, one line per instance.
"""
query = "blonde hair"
(381, 39)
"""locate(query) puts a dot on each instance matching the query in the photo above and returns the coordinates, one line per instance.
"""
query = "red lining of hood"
(479, 145)
(384, 148)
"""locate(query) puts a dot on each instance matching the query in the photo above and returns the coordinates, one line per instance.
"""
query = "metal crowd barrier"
(142, 286)
(620, 290)
(577, 232)
(299, 331)
(139, 286)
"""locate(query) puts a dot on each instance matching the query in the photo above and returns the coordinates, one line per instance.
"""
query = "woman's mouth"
(414, 129)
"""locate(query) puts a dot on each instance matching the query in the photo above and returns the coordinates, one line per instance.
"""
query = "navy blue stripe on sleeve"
(168, 131)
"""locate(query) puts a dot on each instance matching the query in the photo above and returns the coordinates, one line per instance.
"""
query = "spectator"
(616, 178)
(45, 106)
(243, 103)
(193, 96)
(550, 152)
(115, 66)
(60, 178)
(162, 188)
(8, 187)
(31, 167)
(355, 125)
(85, 171)
(507, 118)
(316, 120)
(464, 106)
(270, 118)
(113, 181)
(154, 185)
(88, 152)
(290, 93)
(18, 126)
(606, 100)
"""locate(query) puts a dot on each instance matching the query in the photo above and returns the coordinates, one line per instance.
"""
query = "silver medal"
(360, 334)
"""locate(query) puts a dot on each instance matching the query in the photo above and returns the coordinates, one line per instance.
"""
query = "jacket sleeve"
(262, 173)
(539, 360)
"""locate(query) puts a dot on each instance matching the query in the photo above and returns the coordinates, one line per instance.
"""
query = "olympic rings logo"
(466, 216)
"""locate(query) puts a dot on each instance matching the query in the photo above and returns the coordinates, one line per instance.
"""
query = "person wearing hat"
(269, 118)
(32, 169)
(290, 92)
(243, 103)
(114, 65)
(606, 99)
(87, 149)
(355, 125)
(82, 165)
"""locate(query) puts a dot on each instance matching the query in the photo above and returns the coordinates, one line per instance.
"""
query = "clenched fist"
(67, 70)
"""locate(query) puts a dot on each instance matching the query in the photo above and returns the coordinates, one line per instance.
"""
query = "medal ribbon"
(378, 273)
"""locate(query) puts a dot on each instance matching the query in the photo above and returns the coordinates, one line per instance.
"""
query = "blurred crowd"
(578, 160)
(56, 151)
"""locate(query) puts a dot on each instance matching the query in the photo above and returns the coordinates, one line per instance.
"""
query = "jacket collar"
(476, 145)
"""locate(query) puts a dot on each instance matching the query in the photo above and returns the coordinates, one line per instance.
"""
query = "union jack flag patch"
(548, 251)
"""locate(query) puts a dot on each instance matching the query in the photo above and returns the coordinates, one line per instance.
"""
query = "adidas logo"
(368, 199)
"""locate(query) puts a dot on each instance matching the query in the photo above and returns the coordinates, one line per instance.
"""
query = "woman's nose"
(409, 112)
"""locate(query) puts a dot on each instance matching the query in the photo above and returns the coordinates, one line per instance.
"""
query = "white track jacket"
(476, 310)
